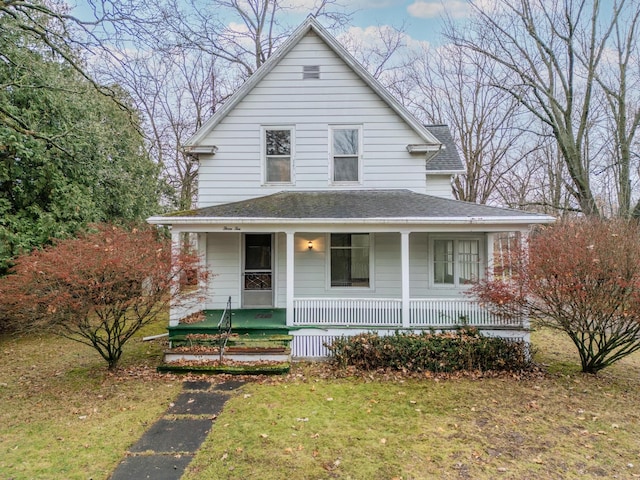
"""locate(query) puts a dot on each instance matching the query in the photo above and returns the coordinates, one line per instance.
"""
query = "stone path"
(167, 447)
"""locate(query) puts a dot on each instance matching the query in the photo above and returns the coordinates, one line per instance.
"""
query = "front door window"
(258, 271)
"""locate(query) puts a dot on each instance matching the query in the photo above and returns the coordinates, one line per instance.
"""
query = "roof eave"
(457, 171)
(499, 220)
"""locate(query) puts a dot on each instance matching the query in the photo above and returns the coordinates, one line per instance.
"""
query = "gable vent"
(310, 72)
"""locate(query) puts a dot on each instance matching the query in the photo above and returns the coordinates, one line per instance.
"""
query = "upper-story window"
(346, 154)
(278, 154)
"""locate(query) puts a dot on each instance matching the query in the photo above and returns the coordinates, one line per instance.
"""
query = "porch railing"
(387, 312)
(383, 312)
(438, 312)
(224, 328)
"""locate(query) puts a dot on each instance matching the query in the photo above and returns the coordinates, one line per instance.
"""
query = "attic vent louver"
(310, 72)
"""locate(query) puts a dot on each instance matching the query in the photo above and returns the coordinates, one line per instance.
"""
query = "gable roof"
(310, 24)
(351, 206)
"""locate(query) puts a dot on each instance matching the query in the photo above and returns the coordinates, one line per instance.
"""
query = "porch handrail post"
(290, 277)
(404, 242)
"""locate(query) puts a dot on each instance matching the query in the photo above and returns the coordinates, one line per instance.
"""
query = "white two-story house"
(323, 201)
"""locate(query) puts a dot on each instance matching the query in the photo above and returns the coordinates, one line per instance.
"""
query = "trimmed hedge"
(462, 349)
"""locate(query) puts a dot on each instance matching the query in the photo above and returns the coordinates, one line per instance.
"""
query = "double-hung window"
(350, 255)
(456, 262)
(278, 154)
(346, 153)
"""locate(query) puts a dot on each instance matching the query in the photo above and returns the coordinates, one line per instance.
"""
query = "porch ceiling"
(351, 206)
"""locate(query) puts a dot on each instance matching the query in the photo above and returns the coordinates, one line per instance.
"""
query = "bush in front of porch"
(462, 349)
(580, 277)
(98, 288)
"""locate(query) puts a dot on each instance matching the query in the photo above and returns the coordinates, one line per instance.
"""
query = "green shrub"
(462, 349)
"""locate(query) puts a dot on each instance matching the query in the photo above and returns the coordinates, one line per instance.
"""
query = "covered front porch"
(336, 263)
(318, 321)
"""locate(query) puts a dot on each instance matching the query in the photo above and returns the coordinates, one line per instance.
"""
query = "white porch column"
(404, 246)
(174, 318)
(290, 276)
(202, 259)
(491, 237)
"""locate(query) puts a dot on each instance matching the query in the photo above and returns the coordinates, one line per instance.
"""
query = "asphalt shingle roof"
(447, 159)
(344, 204)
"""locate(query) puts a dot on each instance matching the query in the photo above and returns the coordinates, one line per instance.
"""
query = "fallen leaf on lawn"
(288, 450)
(225, 456)
(383, 441)
(330, 399)
(264, 435)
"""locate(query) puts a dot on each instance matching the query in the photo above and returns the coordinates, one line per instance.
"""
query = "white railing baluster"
(374, 312)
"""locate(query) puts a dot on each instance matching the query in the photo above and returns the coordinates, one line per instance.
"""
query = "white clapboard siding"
(223, 260)
(439, 185)
(339, 97)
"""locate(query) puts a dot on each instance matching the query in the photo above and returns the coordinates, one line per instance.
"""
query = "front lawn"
(559, 425)
(65, 417)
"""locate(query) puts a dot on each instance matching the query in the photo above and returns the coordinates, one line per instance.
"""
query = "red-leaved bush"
(581, 277)
(99, 288)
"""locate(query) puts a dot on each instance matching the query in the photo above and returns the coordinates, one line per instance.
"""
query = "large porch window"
(456, 262)
(350, 253)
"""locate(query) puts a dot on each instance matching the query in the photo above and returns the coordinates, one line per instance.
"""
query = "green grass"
(560, 425)
(64, 416)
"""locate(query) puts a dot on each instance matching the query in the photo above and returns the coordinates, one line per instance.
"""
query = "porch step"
(246, 354)
(237, 355)
(231, 369)
(252, 340)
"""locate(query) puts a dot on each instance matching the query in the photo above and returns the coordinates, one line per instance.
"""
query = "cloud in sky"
(437, 8)
(373, 36)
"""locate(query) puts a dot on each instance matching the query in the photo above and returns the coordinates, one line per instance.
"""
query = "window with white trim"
(456, 262)
(278, 154)
(350, 259)
(346, 153)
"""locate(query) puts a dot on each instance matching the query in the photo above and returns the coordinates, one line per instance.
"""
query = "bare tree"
(553, 51)
(450, 85)
(378, 49)
(250, 38)
(621, 84)
(176, 91)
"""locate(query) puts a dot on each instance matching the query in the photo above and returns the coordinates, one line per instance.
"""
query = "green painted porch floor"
(256, 322)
